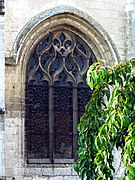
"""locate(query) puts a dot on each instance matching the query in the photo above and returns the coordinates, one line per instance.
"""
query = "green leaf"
(75, 166)
(108, 95)
(131, 169)
(91, 84)
(125, 159)
(114, 131)
(82, 164)
(94, 75)
(98, 142)
(115, 92)
(105, 123)
(119, 80)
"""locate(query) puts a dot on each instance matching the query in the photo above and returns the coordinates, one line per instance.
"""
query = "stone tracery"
(56, 73)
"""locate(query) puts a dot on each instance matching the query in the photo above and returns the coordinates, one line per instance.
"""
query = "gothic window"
(56, 95)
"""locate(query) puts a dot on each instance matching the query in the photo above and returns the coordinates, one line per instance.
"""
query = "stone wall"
(109, 14)
(2, 93)
(2, 63)
(16, 166)
(18, 169)
(2, 170)
(130, 28)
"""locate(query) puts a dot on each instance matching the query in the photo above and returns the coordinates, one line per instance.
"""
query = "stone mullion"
(51, 125)
(75, 117)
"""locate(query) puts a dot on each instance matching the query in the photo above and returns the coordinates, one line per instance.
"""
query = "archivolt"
(68, 18)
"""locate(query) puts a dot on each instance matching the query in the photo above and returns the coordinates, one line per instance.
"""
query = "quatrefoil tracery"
(60, 52)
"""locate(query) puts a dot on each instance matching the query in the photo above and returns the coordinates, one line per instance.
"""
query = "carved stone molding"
(68, 17)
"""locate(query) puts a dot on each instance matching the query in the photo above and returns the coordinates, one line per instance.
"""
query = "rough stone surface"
(2, 94)
(118, 20)
(2, 64)
(119, 167)
(130, 28)
(110, 14)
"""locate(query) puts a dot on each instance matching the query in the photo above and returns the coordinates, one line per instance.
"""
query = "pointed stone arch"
(62, 17)
(68, 18)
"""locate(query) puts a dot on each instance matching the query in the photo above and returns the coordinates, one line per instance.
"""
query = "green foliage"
(108, 120)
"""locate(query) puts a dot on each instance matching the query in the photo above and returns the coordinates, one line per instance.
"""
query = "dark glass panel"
(83, 95)
(57, 56)
(69, 64)
(44, 44)
(37, 121)
(56, 64)
(92, 59)
(79, 59)
(67, 44)
(63, 122)
(37, 146)
(62, 38)
(48, 55)
(56, 42)
(81, 46)
(33, 61)
(62, 80)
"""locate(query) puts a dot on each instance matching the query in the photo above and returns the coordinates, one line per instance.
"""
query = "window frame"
(51, 131)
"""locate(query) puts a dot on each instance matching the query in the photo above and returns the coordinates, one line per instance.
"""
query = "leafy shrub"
(108, 120)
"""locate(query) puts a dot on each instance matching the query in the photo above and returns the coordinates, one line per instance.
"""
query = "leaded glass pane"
(37, 124)
(84, 94)
(56, 95)
(63, 122)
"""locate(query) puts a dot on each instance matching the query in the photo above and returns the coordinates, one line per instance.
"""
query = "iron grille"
(56, 95)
